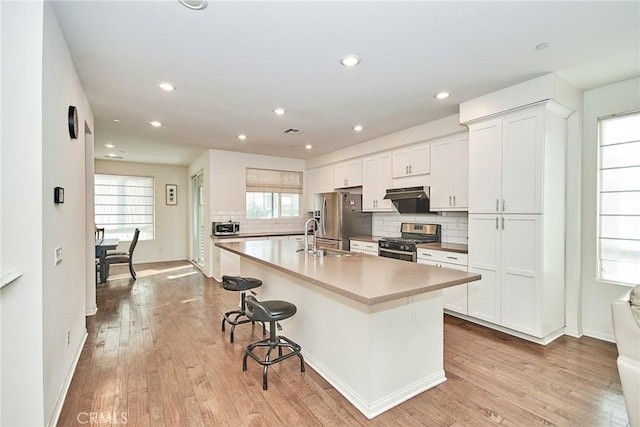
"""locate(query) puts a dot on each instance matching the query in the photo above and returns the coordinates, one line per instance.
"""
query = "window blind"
(619, 199)
(124, 203)
(273, 181)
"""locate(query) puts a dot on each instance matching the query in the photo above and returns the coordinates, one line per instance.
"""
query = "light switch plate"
(58, 255)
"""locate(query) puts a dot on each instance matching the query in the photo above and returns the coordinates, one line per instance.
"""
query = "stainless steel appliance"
(229, 228)
(410, 199)
(340, 217)
(405, 247)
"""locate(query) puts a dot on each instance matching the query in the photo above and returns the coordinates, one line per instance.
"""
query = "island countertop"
(367, 279)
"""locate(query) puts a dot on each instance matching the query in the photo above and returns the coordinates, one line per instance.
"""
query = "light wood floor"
(155, 356)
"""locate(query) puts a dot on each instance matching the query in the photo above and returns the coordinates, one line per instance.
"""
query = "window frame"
(274, 183)
(599, 192)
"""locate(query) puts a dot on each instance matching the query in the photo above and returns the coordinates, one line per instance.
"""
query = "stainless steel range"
(405, 247)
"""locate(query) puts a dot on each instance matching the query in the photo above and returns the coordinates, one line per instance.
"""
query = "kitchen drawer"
(442, 256)
(357, 245)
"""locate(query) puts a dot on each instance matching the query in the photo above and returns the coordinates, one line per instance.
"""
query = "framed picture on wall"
(171, 194)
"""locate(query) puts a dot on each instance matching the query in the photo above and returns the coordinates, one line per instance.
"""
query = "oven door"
(401, 255)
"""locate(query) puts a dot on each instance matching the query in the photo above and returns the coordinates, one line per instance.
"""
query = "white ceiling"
(235, 61)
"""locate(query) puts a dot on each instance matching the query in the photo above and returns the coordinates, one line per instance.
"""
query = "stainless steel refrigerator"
(341, 218)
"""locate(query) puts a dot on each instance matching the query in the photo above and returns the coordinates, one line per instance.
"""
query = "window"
(124, 203)
(619, 199)
(273, 194)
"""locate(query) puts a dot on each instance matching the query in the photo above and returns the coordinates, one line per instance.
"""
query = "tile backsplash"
(454, 224)
(385, 224)
(281, 225)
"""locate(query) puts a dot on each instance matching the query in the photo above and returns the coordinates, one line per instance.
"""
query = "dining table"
(102, 246)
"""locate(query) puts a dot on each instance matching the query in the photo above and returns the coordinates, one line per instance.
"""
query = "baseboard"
(543, 341)
(599, 335)
(67, 382)
(373, 409)
(572, 332)
(91, 311)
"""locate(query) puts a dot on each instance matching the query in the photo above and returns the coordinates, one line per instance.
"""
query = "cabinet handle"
(449, 200)
(497, 205)
(452, 257)
(503, 205)
(406, 170)
(496, 223)
(426, 254)
(503, 223)
(454, 200)
(409, 168)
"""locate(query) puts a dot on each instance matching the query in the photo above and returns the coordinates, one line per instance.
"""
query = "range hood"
(410, 199)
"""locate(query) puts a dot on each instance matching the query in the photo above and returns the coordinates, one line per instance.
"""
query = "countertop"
(441, 246)
(267, 234)
(366, 279)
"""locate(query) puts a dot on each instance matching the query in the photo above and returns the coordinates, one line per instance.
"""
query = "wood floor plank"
(155, 354)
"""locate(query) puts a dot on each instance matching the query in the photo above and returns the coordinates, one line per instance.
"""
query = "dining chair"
(99, 233)
(123, 257)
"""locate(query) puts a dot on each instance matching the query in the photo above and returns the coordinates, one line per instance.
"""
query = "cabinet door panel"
(460, 177)
(484, 166)
(441, 179)
(522, 163)
(484, 250)
(521, 298)
(455, 297)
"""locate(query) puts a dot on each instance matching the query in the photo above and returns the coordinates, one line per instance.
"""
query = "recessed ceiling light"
(280, 111)
(542, 46)
(155, 124)
(166, 86)
(442, 95)
(109, 145)
(194, 4)
(357, 128)
(116, 120)
(242, 137)
(308, 146)
(349, 60)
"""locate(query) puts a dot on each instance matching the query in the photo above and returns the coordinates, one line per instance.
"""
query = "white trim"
(91, 310)
(8, 277)
(67, 382)
(599, 335)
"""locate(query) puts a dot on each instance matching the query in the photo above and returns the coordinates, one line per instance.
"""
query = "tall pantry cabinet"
(516, 219)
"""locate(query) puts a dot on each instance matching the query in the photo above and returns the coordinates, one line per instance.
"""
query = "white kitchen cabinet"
(348, 174)
(319, 180)
(512, 160)
(522, 268)
(376, 179)
(367, 248)
(225, 262)
(450, 174)
(411, 161)
(454, 297)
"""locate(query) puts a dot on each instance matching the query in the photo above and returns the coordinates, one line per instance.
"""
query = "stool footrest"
(235, 322)
(280, 343)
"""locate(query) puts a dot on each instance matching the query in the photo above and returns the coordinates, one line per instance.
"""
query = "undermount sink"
(330, 253)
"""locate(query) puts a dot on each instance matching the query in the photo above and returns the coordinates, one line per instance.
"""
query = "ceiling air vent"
(292, 131)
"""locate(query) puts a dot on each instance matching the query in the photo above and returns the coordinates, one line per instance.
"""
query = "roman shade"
(273, 181)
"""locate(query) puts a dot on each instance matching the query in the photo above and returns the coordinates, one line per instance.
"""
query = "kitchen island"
(372, 327)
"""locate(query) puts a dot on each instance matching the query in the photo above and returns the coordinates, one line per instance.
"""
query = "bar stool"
(241, 284)
(272, 312)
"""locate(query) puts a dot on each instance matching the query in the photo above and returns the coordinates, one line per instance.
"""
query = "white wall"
(21, 222)
(171, 222)
(39, 82)
(596, 296)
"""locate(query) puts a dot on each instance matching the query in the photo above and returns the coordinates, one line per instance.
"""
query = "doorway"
(197, 220)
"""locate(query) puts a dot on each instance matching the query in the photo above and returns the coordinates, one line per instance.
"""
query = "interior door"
(197, 220)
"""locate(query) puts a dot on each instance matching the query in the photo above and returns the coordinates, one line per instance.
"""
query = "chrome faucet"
(315, 235)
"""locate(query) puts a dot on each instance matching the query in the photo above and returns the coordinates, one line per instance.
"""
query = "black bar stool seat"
(272, 312)
(242, 285)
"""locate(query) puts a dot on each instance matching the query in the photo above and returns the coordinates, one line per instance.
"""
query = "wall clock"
(72, 116)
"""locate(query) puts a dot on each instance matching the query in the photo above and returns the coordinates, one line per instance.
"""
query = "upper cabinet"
(510, 159)
(319, 180)
(450, 174)
(348, 174)
(376, 178)
(410, 161)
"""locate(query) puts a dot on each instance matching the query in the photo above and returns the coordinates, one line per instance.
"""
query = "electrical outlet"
(58, 255)
(68, 337)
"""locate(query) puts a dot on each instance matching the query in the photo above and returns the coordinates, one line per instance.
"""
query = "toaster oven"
(228, 228)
